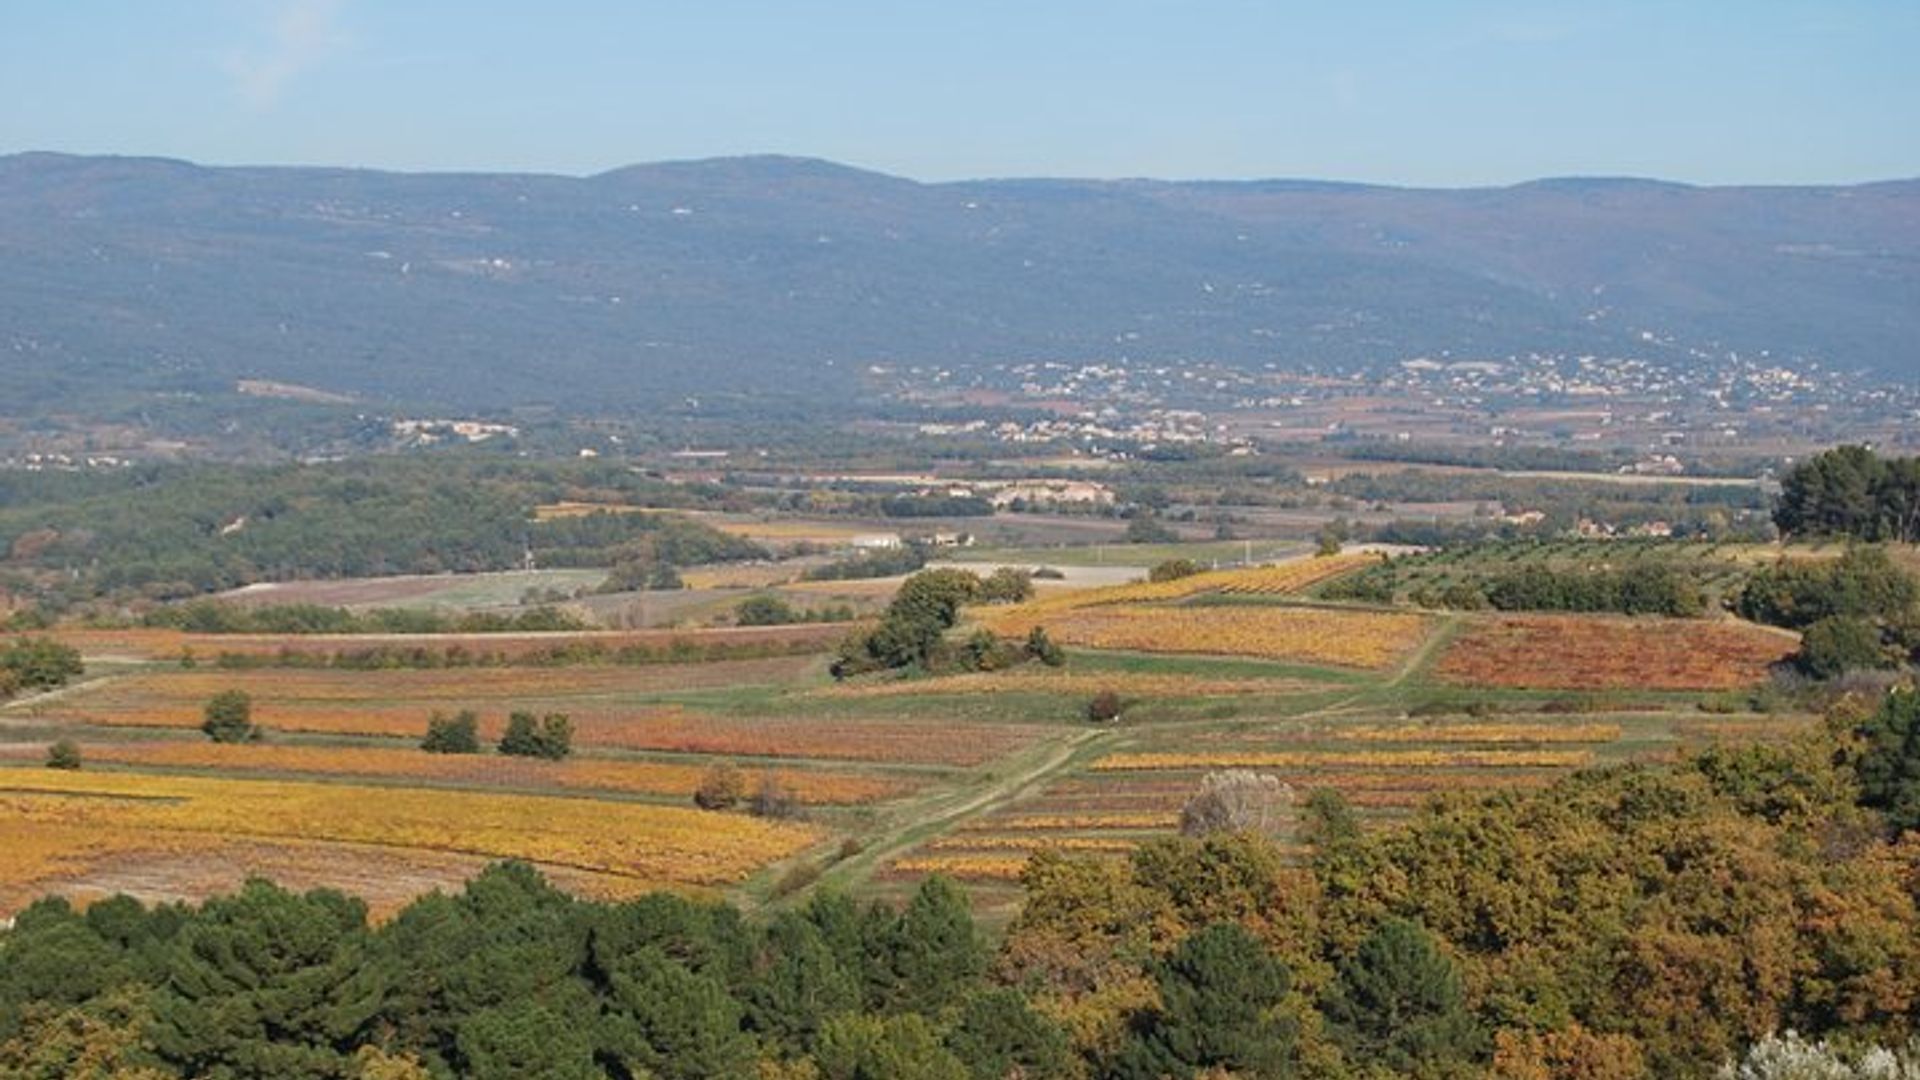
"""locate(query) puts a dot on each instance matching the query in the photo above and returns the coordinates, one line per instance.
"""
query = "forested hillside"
(121, 277)
(168, 532)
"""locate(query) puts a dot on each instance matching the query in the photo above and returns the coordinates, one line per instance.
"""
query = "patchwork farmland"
(880, 780)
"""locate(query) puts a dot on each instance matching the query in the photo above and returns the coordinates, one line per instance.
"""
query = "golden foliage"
(1363, 639)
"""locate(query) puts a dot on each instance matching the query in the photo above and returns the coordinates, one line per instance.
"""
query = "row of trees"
(214, 617)
(548, 737)
(1624, 924)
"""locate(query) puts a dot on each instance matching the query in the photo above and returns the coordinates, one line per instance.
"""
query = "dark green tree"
(549, 737)
(456, 734)
(933, 953)
(667, 1022)
(1397, 1003)
(999, 1036)
(1889, 760)
(270, 984)
(801, 982)
(1219, 995)
(1838, 644)
(528, 1040)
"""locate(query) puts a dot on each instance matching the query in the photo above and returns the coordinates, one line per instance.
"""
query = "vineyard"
(1718, 568)
(113, 814)
(1283, 579)
(1588, 653)
(964, 774)
(627, 776)
(1344, 638)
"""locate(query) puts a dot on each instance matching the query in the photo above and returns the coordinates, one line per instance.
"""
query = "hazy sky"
(1443, 92)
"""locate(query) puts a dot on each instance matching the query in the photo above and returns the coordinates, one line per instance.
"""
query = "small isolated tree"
(1040, 646)
(1173, 570)
(1105, 707)
(63, 755)
(1236, 800)
(772, 798)
(456, 734)
(1838, 644)
(1145, 529)
(550, 737)
(1007, 585)
(721, 789)
(228, 718)
(764, 610)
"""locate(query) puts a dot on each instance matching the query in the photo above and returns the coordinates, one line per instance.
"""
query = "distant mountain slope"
(737, 274)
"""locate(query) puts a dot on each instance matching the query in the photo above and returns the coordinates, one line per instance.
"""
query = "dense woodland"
(1624, 923)
(173, 532)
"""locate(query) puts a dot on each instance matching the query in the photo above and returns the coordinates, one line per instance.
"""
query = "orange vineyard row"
(1586, 653)
(593, 774)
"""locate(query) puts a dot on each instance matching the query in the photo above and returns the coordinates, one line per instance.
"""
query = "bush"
(798, 877)
(764, 611)
(1235, 800)
(773, 799)
(1173, 570)
(456, 734)
(721, 789)
(550, 738)
(63, 755)
(1839, 644)
(1007, 585)
(228, 718)
(1105, 707)
(1040, 646)
(1150, 530)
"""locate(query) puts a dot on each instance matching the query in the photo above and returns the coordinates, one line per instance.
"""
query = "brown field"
(1574, 652)
(62, 824)
(815, 787)
(1360, 639)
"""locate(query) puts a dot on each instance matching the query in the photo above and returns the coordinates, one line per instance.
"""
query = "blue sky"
(1436, 92)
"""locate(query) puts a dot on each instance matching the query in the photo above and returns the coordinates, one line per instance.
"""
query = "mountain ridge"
(632, 285)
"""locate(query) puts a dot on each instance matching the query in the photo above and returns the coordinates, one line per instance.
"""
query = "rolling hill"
(624, 289)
